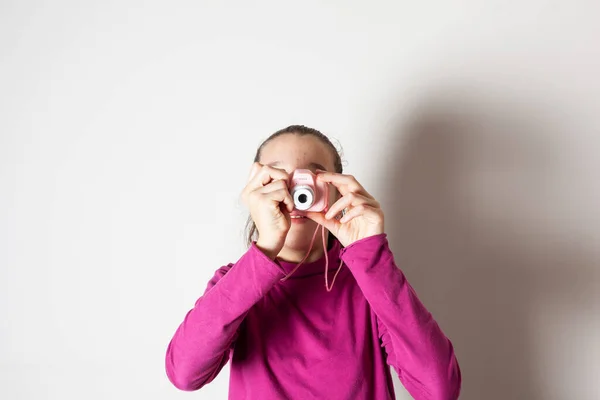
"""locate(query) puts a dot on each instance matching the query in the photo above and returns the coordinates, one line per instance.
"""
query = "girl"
(288, 335)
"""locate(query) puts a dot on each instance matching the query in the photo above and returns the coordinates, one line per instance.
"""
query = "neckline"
(314, 267)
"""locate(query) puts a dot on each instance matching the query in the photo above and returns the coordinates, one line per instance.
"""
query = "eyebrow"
(312, 165)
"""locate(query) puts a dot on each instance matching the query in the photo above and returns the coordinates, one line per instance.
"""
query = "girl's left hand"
(363, 217)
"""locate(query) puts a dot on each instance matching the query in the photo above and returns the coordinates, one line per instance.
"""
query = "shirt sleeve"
(201, 345)
(415, 345)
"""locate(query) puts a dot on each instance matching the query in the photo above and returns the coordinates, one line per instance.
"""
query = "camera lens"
(303, 197)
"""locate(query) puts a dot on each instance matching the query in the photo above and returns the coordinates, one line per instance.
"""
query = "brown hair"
(300, 130)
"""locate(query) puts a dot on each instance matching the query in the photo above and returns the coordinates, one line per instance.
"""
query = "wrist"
(268, 250)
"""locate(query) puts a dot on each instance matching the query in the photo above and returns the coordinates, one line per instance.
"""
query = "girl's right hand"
(270, 203)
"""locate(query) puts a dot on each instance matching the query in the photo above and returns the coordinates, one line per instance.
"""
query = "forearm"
(202, 341)
(416, 346)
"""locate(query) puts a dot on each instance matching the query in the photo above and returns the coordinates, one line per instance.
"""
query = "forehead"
(293, 151)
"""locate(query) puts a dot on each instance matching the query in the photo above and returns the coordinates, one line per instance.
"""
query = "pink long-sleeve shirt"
(293, 339)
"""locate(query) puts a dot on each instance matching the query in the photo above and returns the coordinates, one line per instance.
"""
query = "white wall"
(126, 133)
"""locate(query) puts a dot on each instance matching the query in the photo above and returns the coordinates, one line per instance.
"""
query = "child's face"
(290, 152)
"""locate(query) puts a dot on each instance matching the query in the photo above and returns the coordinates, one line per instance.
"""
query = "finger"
(360, 210)
(264, 175)
(256, 166)
(281, 196)
(273, 186)
(344, 183)
(332, 225)
(277, 186)
(350, 199)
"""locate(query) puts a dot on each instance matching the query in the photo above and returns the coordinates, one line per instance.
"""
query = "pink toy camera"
(308, 194)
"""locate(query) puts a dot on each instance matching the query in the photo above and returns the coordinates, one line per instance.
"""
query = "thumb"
(332, 225)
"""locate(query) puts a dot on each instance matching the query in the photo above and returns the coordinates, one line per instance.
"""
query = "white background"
(127, 130)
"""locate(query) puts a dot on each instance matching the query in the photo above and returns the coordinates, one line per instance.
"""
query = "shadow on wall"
(471, 217)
